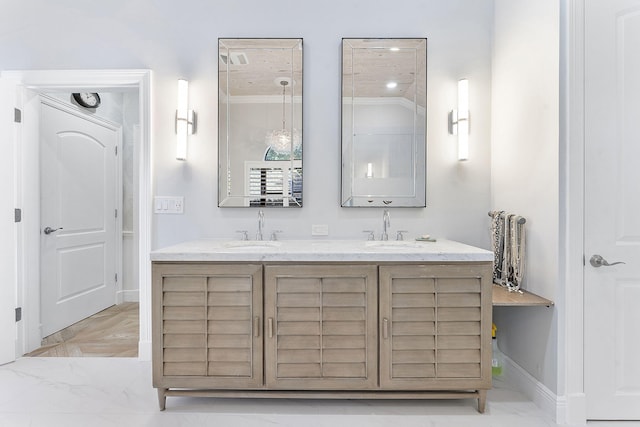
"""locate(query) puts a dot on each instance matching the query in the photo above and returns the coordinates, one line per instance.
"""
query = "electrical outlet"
(319, 230)
(179, 205)
(168, 205)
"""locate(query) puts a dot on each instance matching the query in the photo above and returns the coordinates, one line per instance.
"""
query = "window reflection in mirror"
(384, 98)
(260, 122)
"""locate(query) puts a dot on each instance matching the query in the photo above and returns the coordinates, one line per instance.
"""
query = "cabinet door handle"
(385, 328)
(256, 326)
(270, 327)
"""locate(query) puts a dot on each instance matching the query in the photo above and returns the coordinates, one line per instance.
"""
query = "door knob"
(49, 230)
(598, 261)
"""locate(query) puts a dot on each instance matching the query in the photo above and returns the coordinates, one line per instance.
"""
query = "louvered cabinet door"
(321, 329)
(207, 325)
(435, 322)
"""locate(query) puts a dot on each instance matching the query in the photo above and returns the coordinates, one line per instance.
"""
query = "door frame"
(9, 228)
(29, 247)
(572, 403)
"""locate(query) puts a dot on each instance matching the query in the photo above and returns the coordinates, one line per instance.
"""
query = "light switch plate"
(168, 205)
(320, 230)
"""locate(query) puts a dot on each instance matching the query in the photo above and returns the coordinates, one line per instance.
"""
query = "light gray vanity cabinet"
(321, 327)
(338, 329)
(206, 326)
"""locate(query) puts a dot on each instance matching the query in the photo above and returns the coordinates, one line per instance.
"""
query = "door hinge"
(116, 277)
(116, 213)
(116, 150)
(17, 215)
(17, 115)
(18, 314)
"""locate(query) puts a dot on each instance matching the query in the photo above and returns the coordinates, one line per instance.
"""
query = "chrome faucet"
(386, 223)
(260, 225)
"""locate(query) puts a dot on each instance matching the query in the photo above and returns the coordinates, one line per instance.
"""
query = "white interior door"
(78, 216)
(7, 222)
(612, 208)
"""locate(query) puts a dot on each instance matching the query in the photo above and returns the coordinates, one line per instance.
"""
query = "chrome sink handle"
(371, 236)
(274, 235)
(399, 235)
(598, 261)
(245, 235)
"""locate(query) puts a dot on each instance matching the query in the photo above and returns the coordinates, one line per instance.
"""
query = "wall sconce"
(459, 120)
(185, 120)
(369, 173)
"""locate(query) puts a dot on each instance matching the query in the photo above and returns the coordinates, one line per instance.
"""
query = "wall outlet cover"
(320, 230)
(168, 205)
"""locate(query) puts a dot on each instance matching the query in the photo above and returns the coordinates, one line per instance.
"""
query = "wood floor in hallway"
(113, 332)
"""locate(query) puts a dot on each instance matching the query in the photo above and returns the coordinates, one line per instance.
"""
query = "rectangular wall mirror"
(384, 98)
(259, 122)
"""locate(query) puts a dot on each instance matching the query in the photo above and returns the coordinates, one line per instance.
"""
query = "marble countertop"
(321, 251)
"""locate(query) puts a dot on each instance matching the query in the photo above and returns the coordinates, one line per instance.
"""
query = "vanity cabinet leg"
(162, 398)
(482, 400)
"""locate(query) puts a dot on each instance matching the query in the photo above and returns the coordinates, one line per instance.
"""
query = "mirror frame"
(285, 168)
(416, 195)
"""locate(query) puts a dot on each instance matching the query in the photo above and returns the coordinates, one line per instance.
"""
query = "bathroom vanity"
(322, 319)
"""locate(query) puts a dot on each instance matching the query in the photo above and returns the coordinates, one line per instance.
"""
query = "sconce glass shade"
(181, 140)
(183, 98)
(459, 120)
(184, 120)
(369, 173)
(463, 119)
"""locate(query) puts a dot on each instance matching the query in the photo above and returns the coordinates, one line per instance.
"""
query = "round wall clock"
(87, 99)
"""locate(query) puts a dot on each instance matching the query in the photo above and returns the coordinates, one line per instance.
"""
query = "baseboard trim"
(518, 378)
(144, 350)
(128, 296)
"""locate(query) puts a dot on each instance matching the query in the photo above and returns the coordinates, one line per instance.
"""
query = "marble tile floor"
(99, 392)
(113, 332)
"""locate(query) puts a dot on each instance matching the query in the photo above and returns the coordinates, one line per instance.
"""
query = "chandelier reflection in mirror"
(281, 140)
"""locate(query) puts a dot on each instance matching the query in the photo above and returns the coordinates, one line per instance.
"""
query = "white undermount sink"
(251, 244)
(393, 244)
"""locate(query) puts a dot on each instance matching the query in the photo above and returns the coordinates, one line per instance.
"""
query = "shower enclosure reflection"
(383, 122)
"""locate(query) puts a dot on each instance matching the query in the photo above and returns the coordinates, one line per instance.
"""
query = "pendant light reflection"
(185, 120)
(459, 120)
(280, 140)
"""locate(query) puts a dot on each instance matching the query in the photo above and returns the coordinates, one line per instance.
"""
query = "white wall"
(525, 176)
(179, 40)
(457, 193)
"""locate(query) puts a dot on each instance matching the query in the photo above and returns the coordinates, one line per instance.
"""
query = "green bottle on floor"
(497, 357)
